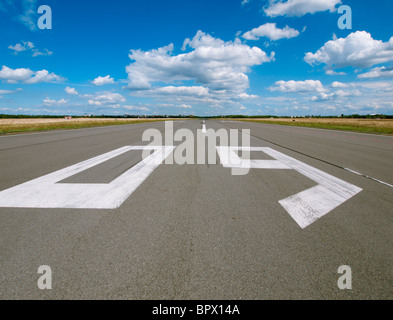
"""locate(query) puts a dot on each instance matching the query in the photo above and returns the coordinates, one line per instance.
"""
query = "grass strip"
(374, 127)
(64, 125)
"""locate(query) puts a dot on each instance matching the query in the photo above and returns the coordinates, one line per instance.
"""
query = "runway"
(113, 226)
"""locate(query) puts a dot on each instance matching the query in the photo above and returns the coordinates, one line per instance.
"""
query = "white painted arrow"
(307, 206)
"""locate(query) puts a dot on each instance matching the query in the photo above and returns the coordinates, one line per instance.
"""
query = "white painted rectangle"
(47, 192)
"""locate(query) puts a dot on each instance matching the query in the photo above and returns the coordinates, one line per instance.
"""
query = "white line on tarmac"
(368, 177)
(307, 206)
(48, 192)
(204, 127)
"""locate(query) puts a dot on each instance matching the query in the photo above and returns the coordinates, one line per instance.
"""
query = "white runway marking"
(368, 177)
(204, 127)
(305, 207)
(47, 192)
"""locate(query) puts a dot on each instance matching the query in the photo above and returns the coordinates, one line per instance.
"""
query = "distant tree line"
(353, 116)
(22, 116)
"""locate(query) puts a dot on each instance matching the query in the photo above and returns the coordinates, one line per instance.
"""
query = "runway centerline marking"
(204, 127)
(307, 206)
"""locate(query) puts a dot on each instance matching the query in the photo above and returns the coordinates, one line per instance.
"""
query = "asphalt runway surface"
(112, 227)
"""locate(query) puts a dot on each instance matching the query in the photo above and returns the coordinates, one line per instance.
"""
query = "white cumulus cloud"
(270, 30)
(106, 98)
(248, 96)
(6, 91)
(358, 49)
(378, 72)
(29, 46)
(45, 52)
(136, 108)
(29, 15)
(182, 91)
(337, 95)
(48, 101)
(71, 91)
(298, 86)
(19, 47)
(100, 81)
(337, 84)
(43, 76)
(28, 76)
(2, 92)
(213, 63)
(299, 8)
(334, 73)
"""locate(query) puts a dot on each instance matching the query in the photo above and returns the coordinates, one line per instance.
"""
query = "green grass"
(15, 129)
(355, 127)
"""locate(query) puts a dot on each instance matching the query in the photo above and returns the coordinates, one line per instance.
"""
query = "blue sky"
(205, 57)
